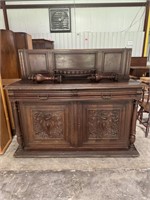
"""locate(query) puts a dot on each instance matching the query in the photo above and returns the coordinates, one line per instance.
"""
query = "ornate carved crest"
(48, 124)
(103, 124)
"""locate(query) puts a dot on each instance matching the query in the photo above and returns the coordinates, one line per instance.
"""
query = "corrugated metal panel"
(88, 40)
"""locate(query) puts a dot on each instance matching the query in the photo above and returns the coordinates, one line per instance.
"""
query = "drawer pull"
(43, 98)
(106, 96)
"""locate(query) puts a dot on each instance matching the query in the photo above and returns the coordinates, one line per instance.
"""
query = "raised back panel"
(35, 61)
(75, 60)
(112, 62)
(38, 62)
(101, 60)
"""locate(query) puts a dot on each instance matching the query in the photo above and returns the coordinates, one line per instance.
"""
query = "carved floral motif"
(103, 124)
(48, 124)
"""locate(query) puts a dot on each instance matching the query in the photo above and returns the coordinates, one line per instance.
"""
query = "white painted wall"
(100, 27)
(82, 19)
(2, 25)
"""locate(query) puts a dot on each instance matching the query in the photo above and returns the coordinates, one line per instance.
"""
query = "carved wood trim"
(48, 124)
(133, 125)
(103, 123)
(15, 109)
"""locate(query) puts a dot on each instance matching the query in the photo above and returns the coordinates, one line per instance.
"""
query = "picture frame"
(60, 20)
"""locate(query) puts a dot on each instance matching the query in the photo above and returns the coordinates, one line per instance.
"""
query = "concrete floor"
(77, 178)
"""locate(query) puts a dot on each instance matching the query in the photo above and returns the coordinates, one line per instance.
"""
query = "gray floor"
(77, 178)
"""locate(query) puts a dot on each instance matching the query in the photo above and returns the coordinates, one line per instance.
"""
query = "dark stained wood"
(10, 43)
(75, 117)
(75, 62)
(23, 40)
(42, 44)
(138, 61)
(9, 57)
(139, 71)
(73, 154)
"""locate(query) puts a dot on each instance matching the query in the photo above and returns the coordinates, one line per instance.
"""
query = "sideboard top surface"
(29, 85)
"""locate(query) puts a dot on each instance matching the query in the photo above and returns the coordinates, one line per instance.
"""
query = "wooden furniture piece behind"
(42, 44)
(138, 67)
(23, 40)
(6, 82)
(138, 61)
(5, 130)
(79, 116)
(139, 71)
(9, 45)
(145, 105)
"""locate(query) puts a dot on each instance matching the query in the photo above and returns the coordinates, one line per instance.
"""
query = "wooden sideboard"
(75, 119)
(85, 106)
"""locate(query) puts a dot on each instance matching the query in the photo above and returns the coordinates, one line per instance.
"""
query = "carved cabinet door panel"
(106, 125)
(45, 125)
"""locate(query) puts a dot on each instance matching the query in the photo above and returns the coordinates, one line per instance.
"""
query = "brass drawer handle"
(43, 98)
(106, 96)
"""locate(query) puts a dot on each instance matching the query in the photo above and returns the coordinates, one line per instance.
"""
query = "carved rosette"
(48, 124)
(103, 124)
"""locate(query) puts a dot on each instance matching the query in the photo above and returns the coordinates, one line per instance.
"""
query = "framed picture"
(60, 19)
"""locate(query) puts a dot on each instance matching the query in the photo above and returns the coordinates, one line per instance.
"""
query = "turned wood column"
(133, 125)
(17, 124)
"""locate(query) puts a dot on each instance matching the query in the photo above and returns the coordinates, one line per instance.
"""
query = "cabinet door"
(45, 125)
(106, 125)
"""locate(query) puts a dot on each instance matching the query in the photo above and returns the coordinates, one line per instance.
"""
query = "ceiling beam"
(78, 5)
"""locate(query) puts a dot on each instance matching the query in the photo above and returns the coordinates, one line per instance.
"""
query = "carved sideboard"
(81, 115)
(75, 119)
